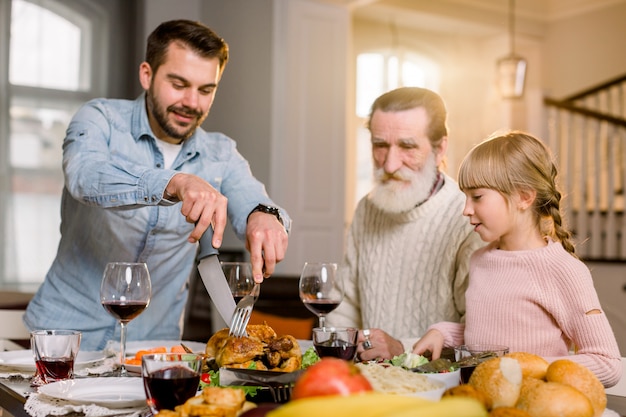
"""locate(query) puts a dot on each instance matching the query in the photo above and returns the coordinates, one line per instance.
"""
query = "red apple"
(330, 376)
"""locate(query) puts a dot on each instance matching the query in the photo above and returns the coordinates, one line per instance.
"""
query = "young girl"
(527, 290)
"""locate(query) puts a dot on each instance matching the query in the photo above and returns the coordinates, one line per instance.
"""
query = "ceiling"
(477, 17)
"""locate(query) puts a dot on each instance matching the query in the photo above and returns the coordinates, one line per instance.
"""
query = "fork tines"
(240, 321)
(242, 313)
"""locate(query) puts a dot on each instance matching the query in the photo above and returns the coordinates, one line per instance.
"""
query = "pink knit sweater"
(535, 301)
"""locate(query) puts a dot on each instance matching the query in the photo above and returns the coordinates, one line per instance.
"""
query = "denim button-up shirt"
(112, 210)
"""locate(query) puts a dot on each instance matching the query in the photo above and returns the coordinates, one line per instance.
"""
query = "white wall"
(584, 51)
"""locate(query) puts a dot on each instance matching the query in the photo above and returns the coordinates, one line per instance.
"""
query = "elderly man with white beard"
(407, 257)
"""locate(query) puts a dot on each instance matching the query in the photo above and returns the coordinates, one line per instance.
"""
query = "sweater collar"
(439, 180)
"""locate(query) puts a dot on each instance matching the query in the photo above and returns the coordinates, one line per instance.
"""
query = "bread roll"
(466, 390)
(553, 399)
(580, 377)
(500, 379)
(508, 412)
(532, 365)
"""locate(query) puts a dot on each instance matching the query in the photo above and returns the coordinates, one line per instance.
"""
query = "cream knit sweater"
(403, 272)
(535, 301)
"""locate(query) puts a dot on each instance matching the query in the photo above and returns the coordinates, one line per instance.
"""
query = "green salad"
(412, 361)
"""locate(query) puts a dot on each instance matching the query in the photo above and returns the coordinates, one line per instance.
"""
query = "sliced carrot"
(133, 361)
(140, 353)
(177, 349)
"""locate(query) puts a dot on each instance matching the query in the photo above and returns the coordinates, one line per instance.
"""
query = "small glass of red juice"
(468, 357)
(337, 342)
(170, 379)
(54, 352)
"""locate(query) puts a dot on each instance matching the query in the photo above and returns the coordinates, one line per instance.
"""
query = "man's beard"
(160, 115)
(404, 189)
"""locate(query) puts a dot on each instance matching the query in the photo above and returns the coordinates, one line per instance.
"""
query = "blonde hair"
(513, 162)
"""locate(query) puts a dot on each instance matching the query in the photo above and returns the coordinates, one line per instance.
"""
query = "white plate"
(22, 360)
(133, 347)
(106, 392)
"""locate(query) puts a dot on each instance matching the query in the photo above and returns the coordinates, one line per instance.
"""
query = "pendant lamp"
(511, 69)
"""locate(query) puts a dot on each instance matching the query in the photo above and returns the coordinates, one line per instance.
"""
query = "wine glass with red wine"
(125, 293)
(320, 289)
(239, 277)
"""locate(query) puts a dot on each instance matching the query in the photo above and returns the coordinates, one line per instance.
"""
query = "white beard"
(407, 190)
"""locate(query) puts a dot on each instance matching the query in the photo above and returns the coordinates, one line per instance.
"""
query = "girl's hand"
(432, 341)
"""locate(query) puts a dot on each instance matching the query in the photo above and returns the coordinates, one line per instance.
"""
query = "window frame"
(96, 43)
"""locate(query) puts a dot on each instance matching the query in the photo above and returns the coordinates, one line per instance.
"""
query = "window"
(378, 72)
(50, 73)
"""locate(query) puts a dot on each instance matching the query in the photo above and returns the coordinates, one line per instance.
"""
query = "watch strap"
(269, 210)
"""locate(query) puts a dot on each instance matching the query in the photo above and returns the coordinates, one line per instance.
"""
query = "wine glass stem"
(123, 349)
(322, 321)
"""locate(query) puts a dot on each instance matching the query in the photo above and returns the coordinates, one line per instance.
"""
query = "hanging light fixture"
(511, 68)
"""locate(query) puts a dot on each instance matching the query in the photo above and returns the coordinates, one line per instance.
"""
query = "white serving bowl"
(450, 379)
(433, 395)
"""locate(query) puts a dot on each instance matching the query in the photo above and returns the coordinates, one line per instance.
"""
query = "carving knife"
(213, 277)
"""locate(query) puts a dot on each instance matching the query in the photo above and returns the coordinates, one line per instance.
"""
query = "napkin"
(39, 405)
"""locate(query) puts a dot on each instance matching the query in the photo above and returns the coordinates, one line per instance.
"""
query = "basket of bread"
(522, 384)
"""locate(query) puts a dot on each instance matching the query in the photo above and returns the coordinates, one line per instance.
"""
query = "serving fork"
(242, 313)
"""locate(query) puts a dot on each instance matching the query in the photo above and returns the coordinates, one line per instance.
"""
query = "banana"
(447, 407)
(375, 404)
(370, 404)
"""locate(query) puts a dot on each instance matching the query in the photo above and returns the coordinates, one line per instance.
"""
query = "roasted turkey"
(262, 349)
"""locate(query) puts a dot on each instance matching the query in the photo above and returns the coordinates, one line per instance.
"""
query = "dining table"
(19, 399)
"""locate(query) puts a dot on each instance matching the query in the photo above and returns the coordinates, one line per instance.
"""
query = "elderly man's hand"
(266, 240)
(377, 344)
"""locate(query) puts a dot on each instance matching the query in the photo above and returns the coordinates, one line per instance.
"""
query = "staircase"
(587, 133)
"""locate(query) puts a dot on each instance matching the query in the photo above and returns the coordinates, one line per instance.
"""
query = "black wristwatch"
(269, 210)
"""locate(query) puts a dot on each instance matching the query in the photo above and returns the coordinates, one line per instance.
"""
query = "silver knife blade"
(213, 278)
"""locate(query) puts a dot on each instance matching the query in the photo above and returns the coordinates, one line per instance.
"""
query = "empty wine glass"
(124, 293)
(239, 277)
(320, 290)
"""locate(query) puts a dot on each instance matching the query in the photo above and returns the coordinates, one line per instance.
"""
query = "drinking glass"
(320, 290)
(55, 352)
(239, 277)
(170, 379)
(337, 342)
(125, 292)
(470, 356)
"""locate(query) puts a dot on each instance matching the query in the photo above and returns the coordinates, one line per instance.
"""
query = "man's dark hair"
(200, 38)
(406, 98)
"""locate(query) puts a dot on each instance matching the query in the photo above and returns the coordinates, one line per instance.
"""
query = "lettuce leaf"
(309, 358)
(409, 360)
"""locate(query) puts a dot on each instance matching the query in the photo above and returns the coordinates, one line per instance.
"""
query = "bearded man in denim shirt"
(143, 182)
